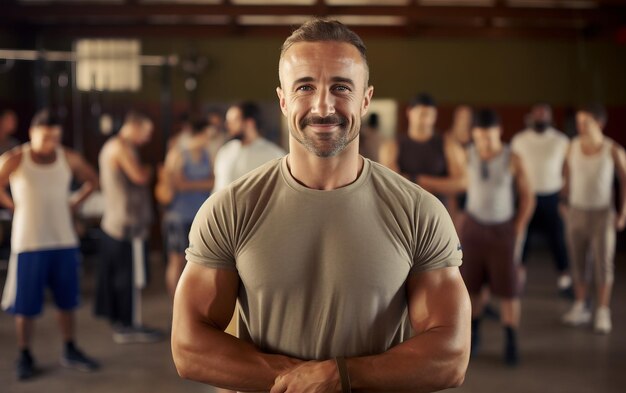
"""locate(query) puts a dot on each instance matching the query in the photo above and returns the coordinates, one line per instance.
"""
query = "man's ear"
(367, 100)
(281, 100)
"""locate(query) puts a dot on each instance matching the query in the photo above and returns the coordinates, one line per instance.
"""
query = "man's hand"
(310, 377)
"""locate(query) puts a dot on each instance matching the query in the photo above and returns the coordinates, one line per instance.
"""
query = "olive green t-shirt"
(323, 273)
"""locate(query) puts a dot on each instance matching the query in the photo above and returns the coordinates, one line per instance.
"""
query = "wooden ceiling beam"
(412, 11)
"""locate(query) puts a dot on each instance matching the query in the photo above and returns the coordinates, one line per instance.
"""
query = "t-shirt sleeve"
(437, 243)
(211, 238)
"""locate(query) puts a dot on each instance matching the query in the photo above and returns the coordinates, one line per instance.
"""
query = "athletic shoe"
(577, 315)
(602, 324)
(76, 359)
(25, 366)
(564, 282)
(565, 287)
(134, 335)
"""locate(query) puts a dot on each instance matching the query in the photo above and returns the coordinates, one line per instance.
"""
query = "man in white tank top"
(44, 245)
(592, 162)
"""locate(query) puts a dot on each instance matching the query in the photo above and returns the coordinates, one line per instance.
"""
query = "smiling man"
(346, 273)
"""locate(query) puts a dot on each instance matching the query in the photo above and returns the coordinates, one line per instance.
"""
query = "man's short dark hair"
(135, 117)
(198, 124)
(250, 110)
(486, 118)
(597, 111)
(422, 99)
(46, 117)
(319, 30)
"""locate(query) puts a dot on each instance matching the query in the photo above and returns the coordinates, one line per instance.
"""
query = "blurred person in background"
(543, 148)
(44, 245)
(494, 227)
(8, 126)
(593, 160)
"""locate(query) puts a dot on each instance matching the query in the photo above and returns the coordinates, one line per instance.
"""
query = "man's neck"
(324, 173)
(592, 139)
(487, 154)
(249, 137)
(43, 157)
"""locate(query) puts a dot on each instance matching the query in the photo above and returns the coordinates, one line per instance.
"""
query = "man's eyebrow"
(335, 79)
(341, 79)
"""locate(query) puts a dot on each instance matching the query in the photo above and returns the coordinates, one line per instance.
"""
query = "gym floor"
(554, 358)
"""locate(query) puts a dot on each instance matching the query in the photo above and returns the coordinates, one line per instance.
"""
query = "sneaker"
(565, 286)
(134, 335)
(25, 366)
(602, 324)
(76, 359)
(564, 282)
(577, 315)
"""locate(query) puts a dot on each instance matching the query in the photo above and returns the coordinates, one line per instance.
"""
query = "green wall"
(474, 71)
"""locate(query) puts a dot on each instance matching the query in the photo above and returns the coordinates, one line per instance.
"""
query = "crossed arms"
(435, 358)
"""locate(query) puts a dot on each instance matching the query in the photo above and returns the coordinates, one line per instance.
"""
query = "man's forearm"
(428, 362)
(206, 354)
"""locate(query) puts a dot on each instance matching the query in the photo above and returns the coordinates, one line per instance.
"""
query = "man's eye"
(304, 88)
(341, 88)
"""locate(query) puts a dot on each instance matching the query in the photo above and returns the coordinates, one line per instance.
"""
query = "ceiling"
(602, 19)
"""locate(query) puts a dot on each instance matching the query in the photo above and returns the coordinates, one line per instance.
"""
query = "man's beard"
(331, 145)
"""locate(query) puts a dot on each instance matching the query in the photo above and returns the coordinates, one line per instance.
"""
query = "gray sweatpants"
(591, 243)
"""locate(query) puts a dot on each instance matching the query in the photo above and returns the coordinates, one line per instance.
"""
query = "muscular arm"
(202, 351)
(456, 181)
(619, 158)
(435, 358)
(84, 173)
(525, 193)
(9, 162)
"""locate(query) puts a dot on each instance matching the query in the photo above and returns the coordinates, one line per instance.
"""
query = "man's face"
(540, 117)
(8, 123)
(324, 95)
(234, 121)
(143, 132)
(45, 139)
(486, 139)
(423, 116)
(585, 123)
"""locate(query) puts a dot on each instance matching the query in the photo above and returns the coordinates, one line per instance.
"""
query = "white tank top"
(41, 193)
(591, 177)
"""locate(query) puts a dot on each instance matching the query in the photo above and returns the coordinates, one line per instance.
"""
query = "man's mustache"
(318, 120)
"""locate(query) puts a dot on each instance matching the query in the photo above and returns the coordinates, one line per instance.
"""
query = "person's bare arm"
(388, 155)
(129, 164)
(85, 174)
(526, 202)
(9, 162)
(435, 358)
(203, 306)
(456, 181)
(619, 158)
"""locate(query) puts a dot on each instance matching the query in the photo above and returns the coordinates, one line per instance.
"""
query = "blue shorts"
(31, 272)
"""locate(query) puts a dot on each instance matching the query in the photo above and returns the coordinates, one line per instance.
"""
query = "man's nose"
(323, 104)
